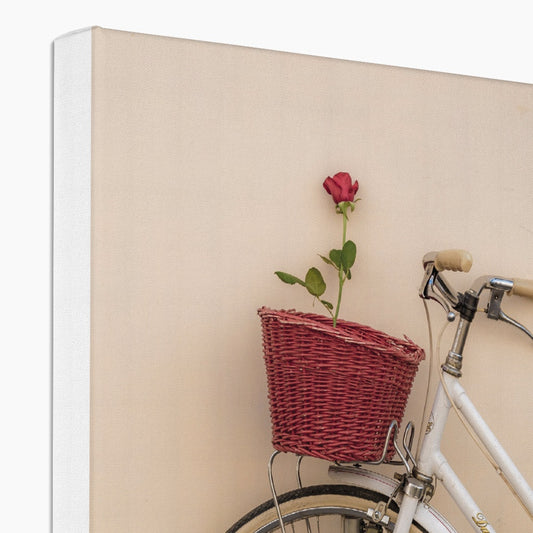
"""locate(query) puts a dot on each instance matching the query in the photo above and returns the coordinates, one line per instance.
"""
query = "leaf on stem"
(349, 251)
(289, 278)
(314, 282)
(335, 256)
(328, 261)
(329, 305)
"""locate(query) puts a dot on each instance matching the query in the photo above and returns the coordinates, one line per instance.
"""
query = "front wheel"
(321, 509)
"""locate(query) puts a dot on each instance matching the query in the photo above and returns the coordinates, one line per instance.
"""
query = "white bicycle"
(362, 501)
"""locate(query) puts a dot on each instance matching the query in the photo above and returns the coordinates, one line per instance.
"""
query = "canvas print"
(249, 246)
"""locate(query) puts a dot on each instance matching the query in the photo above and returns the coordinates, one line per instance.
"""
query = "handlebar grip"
(456, 260)
(522, 287)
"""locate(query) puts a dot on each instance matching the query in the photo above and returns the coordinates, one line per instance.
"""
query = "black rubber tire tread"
(317, 490)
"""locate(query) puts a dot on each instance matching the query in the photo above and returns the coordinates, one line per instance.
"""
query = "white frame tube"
(489, 440)
(461, 496)
(406, 515)
(433, 462)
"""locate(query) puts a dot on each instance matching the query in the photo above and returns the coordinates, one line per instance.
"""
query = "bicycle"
(360, 500)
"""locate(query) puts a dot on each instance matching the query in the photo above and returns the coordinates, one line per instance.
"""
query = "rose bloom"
(341, 188)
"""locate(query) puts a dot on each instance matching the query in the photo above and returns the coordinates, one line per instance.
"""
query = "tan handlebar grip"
(522, 287)
(456, 260)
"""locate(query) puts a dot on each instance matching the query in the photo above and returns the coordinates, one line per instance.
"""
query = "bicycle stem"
(454, 360)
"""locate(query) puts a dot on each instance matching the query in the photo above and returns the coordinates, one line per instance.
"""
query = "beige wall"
(207, 169)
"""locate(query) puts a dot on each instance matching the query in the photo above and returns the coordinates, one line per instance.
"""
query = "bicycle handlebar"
(522, 287)
(455, 260)
(436, 287)
(461, 261)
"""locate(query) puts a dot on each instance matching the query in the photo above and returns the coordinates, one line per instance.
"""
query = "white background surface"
(487, 39)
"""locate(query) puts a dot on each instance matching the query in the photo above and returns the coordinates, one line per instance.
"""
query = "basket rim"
(345, 331)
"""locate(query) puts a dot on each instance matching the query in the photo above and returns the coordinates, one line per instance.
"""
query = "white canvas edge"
(71, 282)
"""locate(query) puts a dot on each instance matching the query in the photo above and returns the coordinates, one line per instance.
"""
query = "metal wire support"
(406, 455)
(407, 443)
(407, 435)
(393, 428)
(299, 481)
(273, 488)
(298, 476)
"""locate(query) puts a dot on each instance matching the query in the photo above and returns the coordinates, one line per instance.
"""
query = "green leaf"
(315, 282)
(329, 261)
(289, 278)
(335, 256)
(327, 304)
(349, 251)
(349, 274)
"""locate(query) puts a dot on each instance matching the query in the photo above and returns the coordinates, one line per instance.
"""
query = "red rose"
(340, 187)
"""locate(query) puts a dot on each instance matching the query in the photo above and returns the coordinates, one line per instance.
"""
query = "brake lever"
(509, 320)
(495, 312)
(430, 283)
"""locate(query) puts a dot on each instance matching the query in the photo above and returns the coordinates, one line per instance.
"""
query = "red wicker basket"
(334, 392)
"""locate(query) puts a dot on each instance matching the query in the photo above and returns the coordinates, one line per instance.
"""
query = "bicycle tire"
(300, 508)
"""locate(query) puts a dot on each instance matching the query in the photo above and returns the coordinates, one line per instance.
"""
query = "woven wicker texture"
(333, 392)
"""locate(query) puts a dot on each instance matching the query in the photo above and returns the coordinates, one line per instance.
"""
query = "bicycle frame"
(413, 490)
(433, 462)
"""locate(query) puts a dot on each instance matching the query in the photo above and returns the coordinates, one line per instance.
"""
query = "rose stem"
(341, 278)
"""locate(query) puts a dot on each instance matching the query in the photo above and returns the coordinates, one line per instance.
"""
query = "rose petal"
(340, 187)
